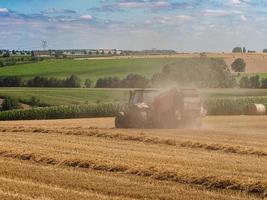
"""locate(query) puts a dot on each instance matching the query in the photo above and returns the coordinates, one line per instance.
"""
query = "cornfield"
(231, 106)
(214, 106)
(62, 112)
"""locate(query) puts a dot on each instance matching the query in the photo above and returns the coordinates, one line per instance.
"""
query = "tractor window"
(149, 96)
(136, 98)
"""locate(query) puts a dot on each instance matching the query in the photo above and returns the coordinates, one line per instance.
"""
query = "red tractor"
(151, 108)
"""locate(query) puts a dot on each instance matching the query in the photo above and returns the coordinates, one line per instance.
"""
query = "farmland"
(67, 96)
(88, 159)
(122, 66)
(92, 69)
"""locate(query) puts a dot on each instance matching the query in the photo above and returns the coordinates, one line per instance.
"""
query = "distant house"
(42, 54)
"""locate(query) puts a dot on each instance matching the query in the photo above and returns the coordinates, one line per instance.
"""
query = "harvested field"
(89, 159)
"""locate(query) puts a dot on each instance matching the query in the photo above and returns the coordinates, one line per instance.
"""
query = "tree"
(6, 54)
(88, 83)
(58, 54)
(1, 63)
(244, 50)
(238, 65)
(108, 82)
(237, 50)
(255, 81)
(73, 82)
(135, 81)
(264, 83)
(10, 104)
(11, 81)
(244, 82)
(264, 51)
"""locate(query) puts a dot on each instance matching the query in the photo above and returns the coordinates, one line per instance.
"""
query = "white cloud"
(243, 18)
(236, 1)
(86, 17)
(218, 13)
(4, 10)
(221, 13)
(239, 2)
(145, 4)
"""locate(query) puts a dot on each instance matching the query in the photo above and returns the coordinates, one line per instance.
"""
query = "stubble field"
(89, 159)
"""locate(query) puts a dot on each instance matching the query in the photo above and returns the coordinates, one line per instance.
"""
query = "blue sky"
(183, 25)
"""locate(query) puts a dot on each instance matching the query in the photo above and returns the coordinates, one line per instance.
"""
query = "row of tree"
(131, 81)
(16, 60)
(39, 81)
(253, 82)
(244, 50)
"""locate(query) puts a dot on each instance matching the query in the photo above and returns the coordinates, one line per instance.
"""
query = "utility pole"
(44, 45)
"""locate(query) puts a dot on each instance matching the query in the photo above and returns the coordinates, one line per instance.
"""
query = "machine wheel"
(138, 119)
(120, 120)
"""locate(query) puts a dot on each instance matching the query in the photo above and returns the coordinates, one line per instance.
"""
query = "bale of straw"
(256, 109)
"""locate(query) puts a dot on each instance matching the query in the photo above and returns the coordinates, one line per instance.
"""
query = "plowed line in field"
(208, 182)
(151, 140)
(18, 196)
(54, 188)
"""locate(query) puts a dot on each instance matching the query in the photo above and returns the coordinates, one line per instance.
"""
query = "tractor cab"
(142, 96)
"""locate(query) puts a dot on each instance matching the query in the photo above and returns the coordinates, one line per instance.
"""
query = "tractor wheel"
(120, 120)
(138, 119)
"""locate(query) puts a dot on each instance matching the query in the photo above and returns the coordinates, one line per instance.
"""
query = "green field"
(262, 75)
(67, 96)
(92, 69)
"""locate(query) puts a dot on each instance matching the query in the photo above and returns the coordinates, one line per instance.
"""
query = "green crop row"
(62, 112)
(232, 105)
(214, 106)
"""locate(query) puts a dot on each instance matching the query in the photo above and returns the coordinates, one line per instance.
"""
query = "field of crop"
(122, 66)
(88, 159)
(92, 69)
(67, 96)
(256, 62)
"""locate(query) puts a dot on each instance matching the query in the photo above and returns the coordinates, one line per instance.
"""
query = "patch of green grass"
(67, 96)
(92, 69)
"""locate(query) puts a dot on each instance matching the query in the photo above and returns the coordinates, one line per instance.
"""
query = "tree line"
(253, 82)
(166, 77)
(244, 50)
(40, 81)
(15, 60)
